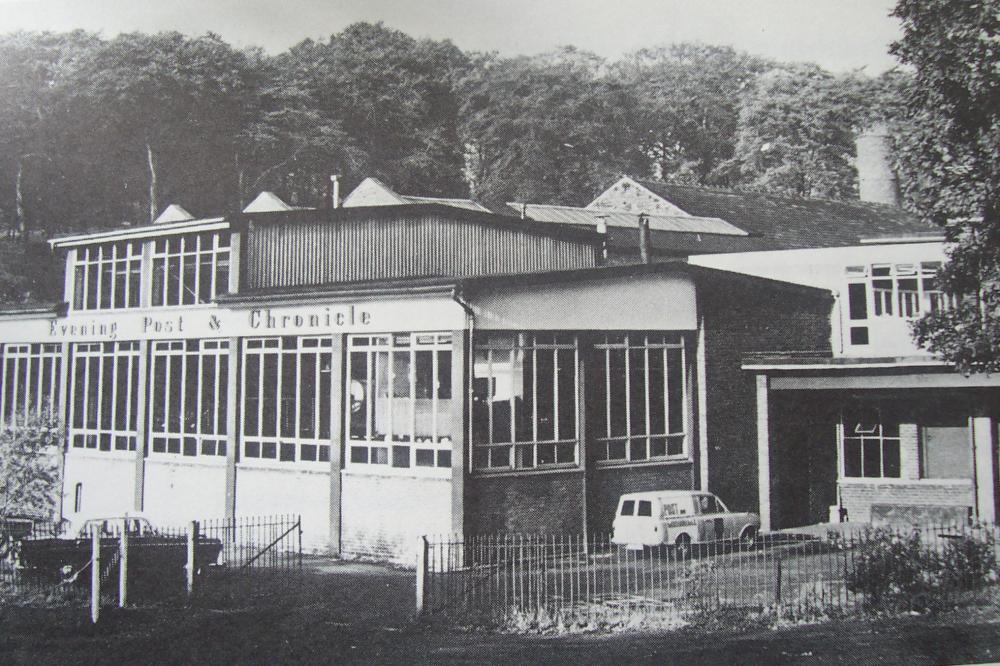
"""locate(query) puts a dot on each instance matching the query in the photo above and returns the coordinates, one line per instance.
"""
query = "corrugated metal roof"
(468, 204)
(582, 216)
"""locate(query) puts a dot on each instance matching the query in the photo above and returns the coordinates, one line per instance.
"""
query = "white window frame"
(187, 248)
(629, 342)
(22, 391)
(84, 437)
(367, 453)
(520, 455)
(256, 447)
(889, 303)
(877, 433)
(124, 258)
(208, 442)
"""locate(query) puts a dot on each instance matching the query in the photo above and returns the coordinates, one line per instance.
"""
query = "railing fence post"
(191, 541)
(123, 566)
(95, 575)
(422, 548)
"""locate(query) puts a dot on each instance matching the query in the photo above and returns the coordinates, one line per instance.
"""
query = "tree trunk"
(20, 224)
(153, 204)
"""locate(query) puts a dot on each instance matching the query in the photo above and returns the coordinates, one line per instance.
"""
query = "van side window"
(670, 509)
(628, 507)
(645, 508)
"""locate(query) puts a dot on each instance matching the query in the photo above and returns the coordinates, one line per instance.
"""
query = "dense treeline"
(96, 132)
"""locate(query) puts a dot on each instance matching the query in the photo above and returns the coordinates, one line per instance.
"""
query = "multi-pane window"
(399, 400)
(640, 390)
(107, 276)
(896, 290)
(287, 384)
(870, 443)
(525, 408)
(30, 381)
(189, 397)
(105, 389)
(190, 269)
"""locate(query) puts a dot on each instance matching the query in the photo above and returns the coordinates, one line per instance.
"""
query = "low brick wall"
(859, 496)
(608, 484)
(532, 503)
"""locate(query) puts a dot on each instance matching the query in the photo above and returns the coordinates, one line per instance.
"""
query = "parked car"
(679, 518)
(151, 553)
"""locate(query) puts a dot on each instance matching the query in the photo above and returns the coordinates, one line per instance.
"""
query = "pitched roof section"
(173, 213)
(588, 217)
(268, 202)
(373, 192)
(783, 223)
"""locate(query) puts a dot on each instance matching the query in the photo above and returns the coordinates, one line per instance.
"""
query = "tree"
(29, 466)
(952, 147)
(387, 106)
(796, 132)
(548, 128)
(689, 100)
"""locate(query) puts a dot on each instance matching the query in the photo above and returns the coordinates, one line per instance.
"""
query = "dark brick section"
(743, 315)
(529, 503)
(605, 485)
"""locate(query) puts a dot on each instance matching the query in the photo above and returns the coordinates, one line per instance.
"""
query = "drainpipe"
(470, 317)
(644, 254)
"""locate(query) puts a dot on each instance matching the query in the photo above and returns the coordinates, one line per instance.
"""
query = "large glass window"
(190, 269)
(945, 444)
(107, 276)
(641, 392)
(189, 391)
(29, 383)
(525, 400)
(287, 385)
(105, 390)
(399, 400)
(870, 441)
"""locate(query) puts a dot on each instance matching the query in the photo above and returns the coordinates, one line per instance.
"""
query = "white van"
(679, 518)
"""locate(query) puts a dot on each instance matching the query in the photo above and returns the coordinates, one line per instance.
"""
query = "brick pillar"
(985, 448)
(763, 454)
(909, 453)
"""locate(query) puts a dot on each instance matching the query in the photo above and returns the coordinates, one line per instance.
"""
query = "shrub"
(892, 568)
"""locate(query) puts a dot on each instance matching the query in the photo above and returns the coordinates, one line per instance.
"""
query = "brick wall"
(744, 314)
(607, 484)
(383, 516)
(858, 496)
(533, 503)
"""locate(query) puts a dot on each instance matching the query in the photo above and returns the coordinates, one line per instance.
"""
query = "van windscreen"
(628, 507)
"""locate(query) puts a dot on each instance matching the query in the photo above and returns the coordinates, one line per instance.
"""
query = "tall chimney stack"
(876, 180)
(335, 191)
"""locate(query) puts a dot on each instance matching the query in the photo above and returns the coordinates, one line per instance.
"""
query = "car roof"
(663, 494)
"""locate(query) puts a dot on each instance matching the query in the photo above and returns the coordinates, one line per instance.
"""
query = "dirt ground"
(360, 613)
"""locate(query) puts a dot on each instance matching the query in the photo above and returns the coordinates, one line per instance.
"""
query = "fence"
(203, 561)
(497, 578)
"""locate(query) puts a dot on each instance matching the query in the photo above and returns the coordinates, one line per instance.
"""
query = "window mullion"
(628, 399)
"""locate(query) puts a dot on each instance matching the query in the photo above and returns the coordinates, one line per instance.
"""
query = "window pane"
(208, 405)
(857, 300)
(501, 395)
(307, 396)
(481, 393)
(269, 409)
(947, 453)
(191, 394)
(324, 379)
(174, 392)
(657, 404)
(852, 457)
(637, 391)
(872, 462)
(567, 393)
(546, 386)
(617, 397)
(524, 395)
(381, 409)
(288, 400)
(597, 413)
(675, 394)
(890, 458)
(223, 404)
(444, 374)
(251, 384)
(358, 396)
(402, 402)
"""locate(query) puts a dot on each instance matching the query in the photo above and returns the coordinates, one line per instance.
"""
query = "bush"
(891, 568)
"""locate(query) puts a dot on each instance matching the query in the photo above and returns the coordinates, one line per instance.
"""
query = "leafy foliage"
(951, 147)
(29, 466)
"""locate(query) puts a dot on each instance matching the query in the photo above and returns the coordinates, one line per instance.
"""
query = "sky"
(836, 34)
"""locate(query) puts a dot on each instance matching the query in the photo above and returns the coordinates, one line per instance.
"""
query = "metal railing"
(494, 578)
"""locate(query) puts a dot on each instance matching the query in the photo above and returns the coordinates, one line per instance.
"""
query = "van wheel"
(748, 538)
(682, 547)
